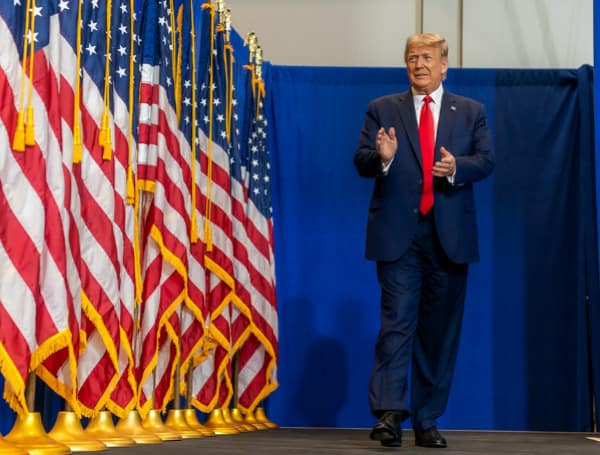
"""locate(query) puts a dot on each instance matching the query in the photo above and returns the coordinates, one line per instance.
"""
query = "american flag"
(167, 226)
(257, 376)
(244, 264)
(212, 384)
(124, 79)
(78, 170)
(241, 322)
(38, 286)
(239, 308)
(191, 315)
(106, 233)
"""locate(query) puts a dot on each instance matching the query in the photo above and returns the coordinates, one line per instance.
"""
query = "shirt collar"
(436, 95)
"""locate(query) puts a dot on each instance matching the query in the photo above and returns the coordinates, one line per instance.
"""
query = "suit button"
(420, 181)
(415, 211)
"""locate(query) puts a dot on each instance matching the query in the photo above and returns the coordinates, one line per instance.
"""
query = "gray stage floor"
(354, 442)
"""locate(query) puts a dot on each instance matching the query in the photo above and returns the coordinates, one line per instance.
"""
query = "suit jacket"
(394, 209)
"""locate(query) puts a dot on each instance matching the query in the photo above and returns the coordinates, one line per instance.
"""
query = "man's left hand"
(446, 166)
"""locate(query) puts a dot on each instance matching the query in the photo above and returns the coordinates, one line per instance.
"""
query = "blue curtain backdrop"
(529, 355)
(526, 355)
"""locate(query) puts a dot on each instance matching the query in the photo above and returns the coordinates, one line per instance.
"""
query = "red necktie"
(427, 140)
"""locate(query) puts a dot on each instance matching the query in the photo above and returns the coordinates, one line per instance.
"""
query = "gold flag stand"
(190, 413)
(28, 434)
(176, 421)
(252, 420)
(192, 420)
(10, 449)
(217, 423)
(238, 418)
(68, 431)
(232, 423)
(262, 418)
(131, 426)
(154, 424)
(102, 428)
(176, 417)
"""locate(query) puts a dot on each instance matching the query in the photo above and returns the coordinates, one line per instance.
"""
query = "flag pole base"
(102, 428)
(68, 431)
(238, 418)
(225, 412)
(176, 422)
(251, 419)
(7, 448)
(131, 426)
(192, 420)
(28, 433)
(154, 424)
(217, 424)
(262, 418)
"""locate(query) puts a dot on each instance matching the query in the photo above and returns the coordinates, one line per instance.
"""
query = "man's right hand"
(386, 144)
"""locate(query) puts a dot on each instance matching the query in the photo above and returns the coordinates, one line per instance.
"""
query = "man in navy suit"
(424, 148)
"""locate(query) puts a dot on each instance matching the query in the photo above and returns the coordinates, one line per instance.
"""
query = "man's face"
(425, 67)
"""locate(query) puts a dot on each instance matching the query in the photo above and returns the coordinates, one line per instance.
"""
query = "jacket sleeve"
(480, 162)
(366, 159)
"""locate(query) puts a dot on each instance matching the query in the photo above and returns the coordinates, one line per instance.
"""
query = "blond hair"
(429, 40)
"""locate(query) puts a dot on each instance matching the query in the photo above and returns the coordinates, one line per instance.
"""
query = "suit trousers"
(422, 302)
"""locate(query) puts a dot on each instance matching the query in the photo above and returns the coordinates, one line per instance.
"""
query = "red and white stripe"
(35, 294)
(123, 396)
(257, 376)
(258, 358)
(167, 247)
(212, 380)
(101, 239)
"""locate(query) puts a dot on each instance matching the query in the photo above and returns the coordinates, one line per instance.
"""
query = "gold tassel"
(103, 130)
(77, 146)
(194, 228)
(208, 236)
(29, 129)
(19, 139)
(130, 187)
(77, 143)
(107, 155)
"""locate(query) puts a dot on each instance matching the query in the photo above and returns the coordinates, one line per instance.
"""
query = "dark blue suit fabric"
(421, 260)
(393, 212)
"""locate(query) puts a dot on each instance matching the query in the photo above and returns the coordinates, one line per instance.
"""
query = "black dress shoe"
(430, 438)
(388, 429)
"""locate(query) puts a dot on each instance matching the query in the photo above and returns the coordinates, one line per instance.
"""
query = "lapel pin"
(453, 108)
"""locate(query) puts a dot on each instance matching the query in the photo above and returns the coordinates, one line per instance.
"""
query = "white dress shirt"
(435, 106)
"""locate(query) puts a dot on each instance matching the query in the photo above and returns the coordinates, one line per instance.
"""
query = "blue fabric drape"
(544, 211)
(531, 318)
(588, 178)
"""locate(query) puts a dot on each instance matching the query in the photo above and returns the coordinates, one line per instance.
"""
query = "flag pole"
(219, 419)
(176, 417)
(257, 416)
(189, 413)
(259, 413)
(251, 41)
(191, 418)
(225, 22)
